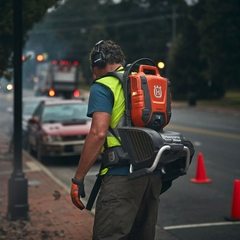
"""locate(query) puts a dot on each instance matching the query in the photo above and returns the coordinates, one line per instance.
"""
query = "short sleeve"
(100, 99)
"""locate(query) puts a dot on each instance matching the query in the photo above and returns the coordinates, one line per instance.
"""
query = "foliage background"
(32, 12)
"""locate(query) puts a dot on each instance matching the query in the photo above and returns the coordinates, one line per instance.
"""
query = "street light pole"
(17, 184)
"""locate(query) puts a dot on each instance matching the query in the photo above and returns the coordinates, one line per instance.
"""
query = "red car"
(58, 128)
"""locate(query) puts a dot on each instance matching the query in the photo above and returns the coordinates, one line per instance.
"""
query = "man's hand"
(78, 191)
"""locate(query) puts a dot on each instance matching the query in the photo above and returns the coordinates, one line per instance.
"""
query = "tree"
(142, 28)
(68, 33)
(186, 67)
(204, 57)
(220, 44)
(33, 12)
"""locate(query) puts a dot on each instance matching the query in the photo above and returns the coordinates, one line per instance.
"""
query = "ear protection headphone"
(98, 58)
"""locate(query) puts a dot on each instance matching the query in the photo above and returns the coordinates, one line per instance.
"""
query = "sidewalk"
(49, 218)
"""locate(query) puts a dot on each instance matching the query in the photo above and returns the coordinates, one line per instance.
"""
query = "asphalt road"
(198, 211)
(188, 211)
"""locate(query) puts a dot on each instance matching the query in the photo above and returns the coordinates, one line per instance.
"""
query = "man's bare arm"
(93, 143)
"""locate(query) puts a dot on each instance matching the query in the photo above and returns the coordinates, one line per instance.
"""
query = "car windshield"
(29, 107)
(65, 113)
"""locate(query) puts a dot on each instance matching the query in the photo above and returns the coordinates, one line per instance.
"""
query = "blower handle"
(144, 171)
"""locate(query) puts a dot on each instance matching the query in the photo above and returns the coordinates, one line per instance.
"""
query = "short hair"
(112, 52)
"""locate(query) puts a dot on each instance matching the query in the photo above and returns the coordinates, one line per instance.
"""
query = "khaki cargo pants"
(127, 209)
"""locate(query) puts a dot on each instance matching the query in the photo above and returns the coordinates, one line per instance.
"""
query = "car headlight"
(9, 87)
(51, 138)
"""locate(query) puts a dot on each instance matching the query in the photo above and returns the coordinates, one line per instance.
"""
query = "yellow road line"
(201, 131)
(200, 225)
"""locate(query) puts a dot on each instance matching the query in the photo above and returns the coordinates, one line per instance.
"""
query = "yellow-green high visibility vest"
(117, 117)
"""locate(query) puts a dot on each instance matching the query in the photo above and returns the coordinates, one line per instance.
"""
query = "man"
(125, 209)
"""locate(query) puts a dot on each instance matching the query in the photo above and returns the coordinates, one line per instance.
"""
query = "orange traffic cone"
(200, 173)
(235, 213)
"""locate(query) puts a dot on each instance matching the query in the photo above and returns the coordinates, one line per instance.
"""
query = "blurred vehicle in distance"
(58, 128)
(57, 78)
(6, 86)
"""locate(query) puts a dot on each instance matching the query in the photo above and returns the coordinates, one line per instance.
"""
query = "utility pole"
(17, 184)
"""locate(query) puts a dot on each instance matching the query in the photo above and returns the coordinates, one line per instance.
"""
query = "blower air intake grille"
(142, 144)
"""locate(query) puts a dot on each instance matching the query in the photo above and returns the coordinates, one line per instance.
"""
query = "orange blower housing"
(150, 98)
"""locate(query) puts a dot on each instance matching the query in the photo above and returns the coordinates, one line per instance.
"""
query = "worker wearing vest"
(125, 209)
